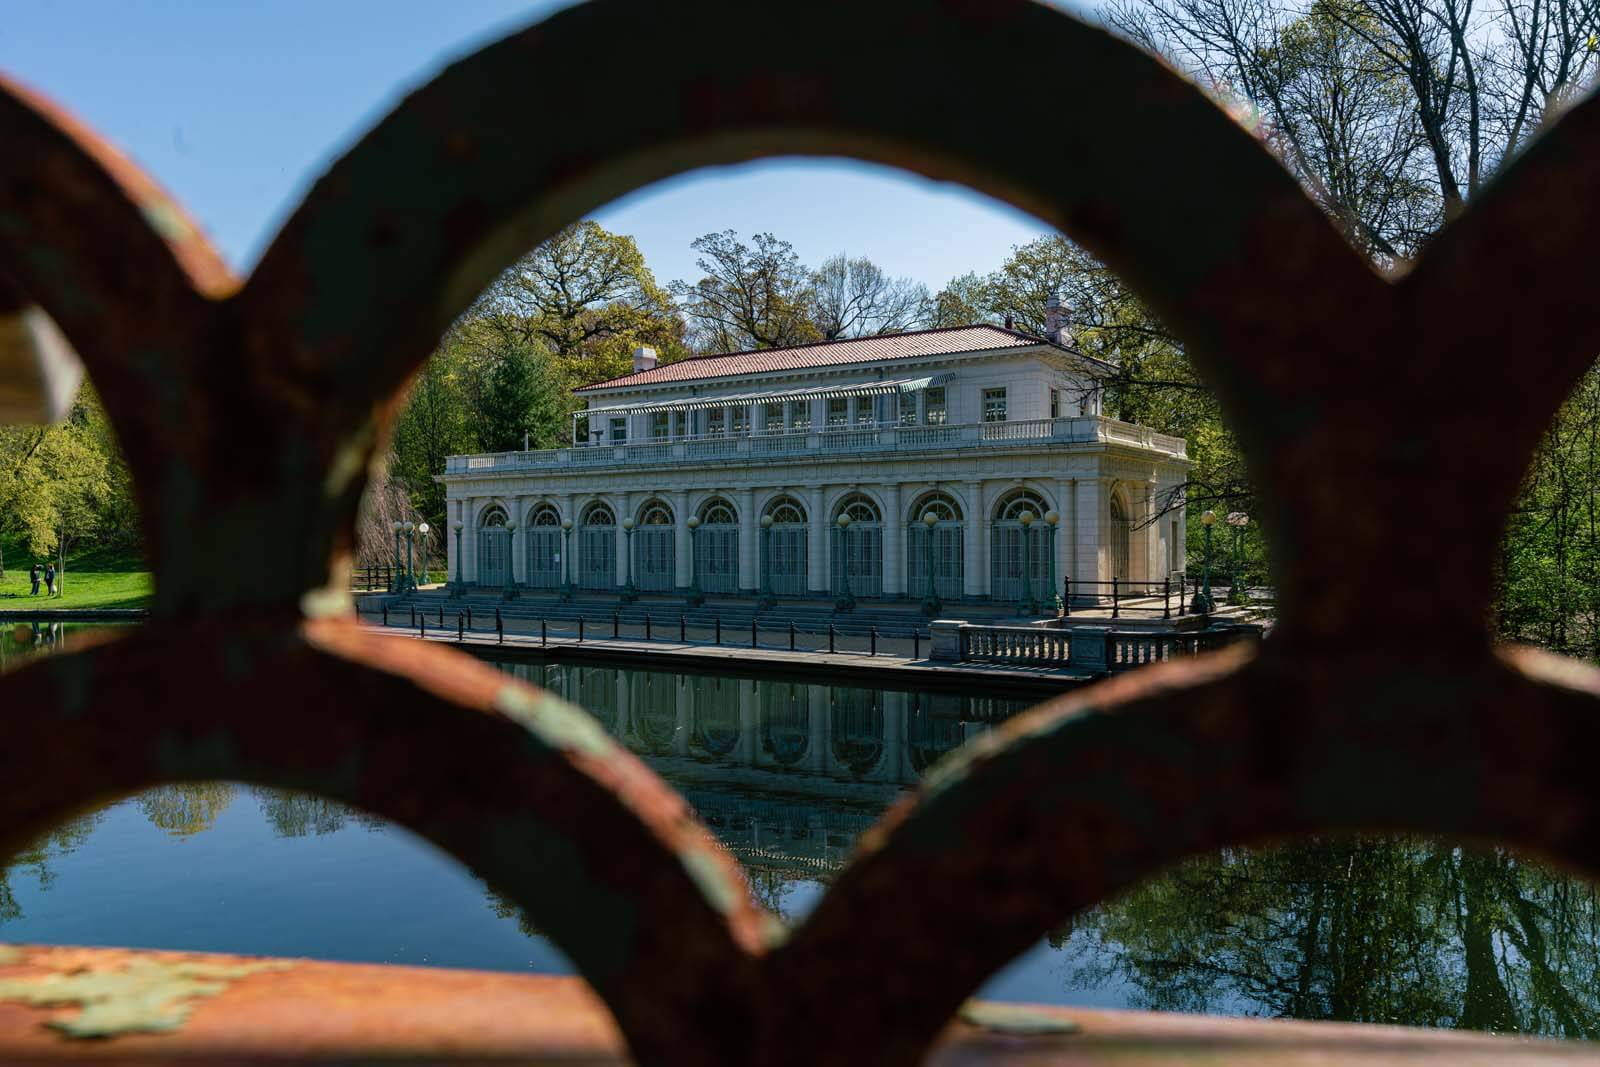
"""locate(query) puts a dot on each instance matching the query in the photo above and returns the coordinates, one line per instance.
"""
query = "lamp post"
(411, 578)
(1052, 519)
(398, 582)
(566, 561)
(1203, 604)
(629, 593)
(456, 587)
(1029, 605)
(696, 598)
(767, 599)
(422, 549)
(1236, 592)
(930, 602)
(845, 602)
(511, 559)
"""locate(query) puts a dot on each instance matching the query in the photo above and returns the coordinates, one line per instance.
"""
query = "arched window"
(945, 508)
(859, 507)
(1121, 536)
(1013, 504)
(718, 512)
(787, 546)
(942, 548)
(655, 513)
(655, 548)
(494, 548)
(857, 551)
(544, 548)
(1019, 553)
(597, 551)
(786, 511)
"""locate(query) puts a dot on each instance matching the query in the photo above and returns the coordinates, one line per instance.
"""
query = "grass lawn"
(96, 578)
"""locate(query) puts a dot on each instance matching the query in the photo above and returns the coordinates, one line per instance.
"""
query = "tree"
(751, 296)
(585, 296)
(855, 298)
(527, 399)
(966, 300)
(186, 808)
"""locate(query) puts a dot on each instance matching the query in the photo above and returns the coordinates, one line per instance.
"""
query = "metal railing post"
(422, 626)
(580, 629)
(752, 633)
(916, 644)
(647, 636)
(385, 615)
(873, 631)
(791, 635)
(413, 614)
(1116, 611)
(469, 616)
(1066, 595)
(616, 625)
(544, 632)
(719, 629)
(441, 616)
(1166, 597)
(683, 630)
(1183, 594)
(830, 637)
(499, 627)
(461, 627)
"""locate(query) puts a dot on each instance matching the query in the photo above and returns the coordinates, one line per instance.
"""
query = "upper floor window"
(741, 419)
(838, 411)
(908, 409)
(994, 405)
(1055, 403)
(800, 414)
(581, 437)
(775, 418)
(619, 431)
(680, 423)
(933, 406)
(716, 421)
(660, 424)
(866, 415)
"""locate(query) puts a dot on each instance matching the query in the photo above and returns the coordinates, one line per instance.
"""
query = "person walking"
(50, 578)
(33, 576)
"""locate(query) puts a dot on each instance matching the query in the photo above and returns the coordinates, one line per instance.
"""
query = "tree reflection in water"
(186, 808)
(1381, 930)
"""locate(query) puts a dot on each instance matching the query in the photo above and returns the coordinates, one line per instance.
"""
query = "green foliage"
(107, 576)
(1375, 930)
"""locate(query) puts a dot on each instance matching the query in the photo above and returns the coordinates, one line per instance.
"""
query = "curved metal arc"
(525, 791)
(412, 223)
(1078, 799)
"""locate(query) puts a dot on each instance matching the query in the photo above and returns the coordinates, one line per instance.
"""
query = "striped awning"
(724, 400)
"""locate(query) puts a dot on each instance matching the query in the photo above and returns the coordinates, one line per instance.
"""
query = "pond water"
(787, 774)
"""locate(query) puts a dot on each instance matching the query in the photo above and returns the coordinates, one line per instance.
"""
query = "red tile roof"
(828, 354)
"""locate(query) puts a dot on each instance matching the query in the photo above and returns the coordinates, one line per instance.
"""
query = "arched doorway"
(787, 544)
(653, 710)
(857, 729)
(543, 532)
(716, 547)
(494, 548)
(1010, 537)
(942, 543)
(858, 548)
(654, 561)
(597, 548)
(1121, 537)
(714, 715)
(785, 720)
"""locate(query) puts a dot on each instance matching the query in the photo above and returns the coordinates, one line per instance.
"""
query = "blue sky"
(235, 105)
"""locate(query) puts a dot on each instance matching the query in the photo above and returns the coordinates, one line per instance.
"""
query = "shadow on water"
(788, 774)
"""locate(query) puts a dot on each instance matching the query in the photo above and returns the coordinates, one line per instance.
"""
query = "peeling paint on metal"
(144, 995)
(1016, 1020)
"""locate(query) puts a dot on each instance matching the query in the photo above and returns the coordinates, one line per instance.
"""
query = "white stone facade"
(999, 425)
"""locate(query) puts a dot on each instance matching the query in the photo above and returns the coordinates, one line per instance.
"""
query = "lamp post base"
(696, 598)
(767, 601)
(1202, 604)
(845, 603)
(932, 606)
(629, 594)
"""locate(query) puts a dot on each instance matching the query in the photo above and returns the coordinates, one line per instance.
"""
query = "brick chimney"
(1055, 320)
(644, 358)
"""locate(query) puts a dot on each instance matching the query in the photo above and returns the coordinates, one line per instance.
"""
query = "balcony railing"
(1079, 430)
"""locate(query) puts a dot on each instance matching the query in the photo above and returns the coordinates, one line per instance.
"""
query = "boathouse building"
(852, 464)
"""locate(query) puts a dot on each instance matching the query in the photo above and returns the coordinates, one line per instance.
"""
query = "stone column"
(452, 514)
(1091, 499)
(894, 541)
(817, 553)
(975, 566)
(518, 558)
(819, 414)
(624, 706)
(749, 546)
(894, 733)
(469, 535)
(623, 570)
(749, 744)
(680, 538)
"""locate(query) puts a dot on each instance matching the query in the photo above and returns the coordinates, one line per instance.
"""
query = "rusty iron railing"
(253, 408)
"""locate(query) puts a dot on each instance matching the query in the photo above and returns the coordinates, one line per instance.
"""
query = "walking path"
(888, 668)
